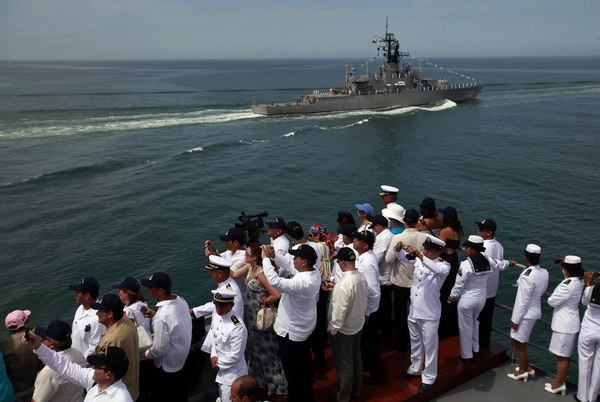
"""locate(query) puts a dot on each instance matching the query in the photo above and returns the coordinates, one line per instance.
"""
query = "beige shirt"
(348, 304)
(402, 272)
(124, 335)
(52, 387)
(21, 364)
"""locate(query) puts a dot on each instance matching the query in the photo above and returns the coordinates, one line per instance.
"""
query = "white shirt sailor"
(229, 342)
(493, 249)
(533, 282)
(86, 330)
(565, 302)
(428, 277)
(380, 248)
(469, 284)
(297, 314)
(172, 326)
(281, 245)
(591, 318)
(82, 376)
(367, 265)
(238, 260)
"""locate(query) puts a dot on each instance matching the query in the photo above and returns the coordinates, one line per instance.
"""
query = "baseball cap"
(278, 223)
(16, 319)
(305, 251)
(345, 254)
(129, 283)
(157, 280)
(366, 208)
(233, 234)
(487, 224)
(109, 302)
(111, 357)
(86, 285)
(57, 331)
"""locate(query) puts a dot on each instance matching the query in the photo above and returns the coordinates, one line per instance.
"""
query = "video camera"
(251, 225)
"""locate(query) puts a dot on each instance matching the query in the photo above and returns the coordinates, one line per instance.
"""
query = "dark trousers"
(318, 338)
(369, 348)
(169, 386)
(384, 313)
(401, 307)
(297, 366)
(485, 323)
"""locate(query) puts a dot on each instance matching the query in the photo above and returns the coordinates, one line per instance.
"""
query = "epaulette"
(527, 272)
(235, 321)
(567, 282)
(228, 286)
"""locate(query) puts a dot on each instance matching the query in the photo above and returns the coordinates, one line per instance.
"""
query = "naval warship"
(389, 86)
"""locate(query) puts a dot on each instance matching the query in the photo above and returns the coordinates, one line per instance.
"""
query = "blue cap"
(86, 285)
(158, 280)
(278, 223)
(128, 283)
(348, 230)
(233, 234)
(366, 208)
(109, 302)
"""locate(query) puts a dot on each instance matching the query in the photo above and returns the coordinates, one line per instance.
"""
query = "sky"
(256, 29)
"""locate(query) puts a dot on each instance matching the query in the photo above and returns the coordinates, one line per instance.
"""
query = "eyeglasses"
(100, 368)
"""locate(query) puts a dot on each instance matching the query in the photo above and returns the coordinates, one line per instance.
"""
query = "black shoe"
(375, 380)
(466, 361)
(406, 374)
(425, 388)
(575, 396)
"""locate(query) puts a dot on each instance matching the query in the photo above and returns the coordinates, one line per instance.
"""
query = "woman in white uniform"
(588, 385)
(532, 282)
(565, 319)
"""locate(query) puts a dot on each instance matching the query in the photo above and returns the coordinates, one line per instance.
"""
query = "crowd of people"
(396, 273)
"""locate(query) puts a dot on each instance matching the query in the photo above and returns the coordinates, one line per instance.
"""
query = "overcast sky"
(216, 29)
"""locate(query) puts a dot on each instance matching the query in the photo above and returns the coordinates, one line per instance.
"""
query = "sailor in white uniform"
(218, 268)
(229, 343)
(275, 230)
(565, 319)
(470, 292)
(425, 308)
(532, 282)
(589, 343)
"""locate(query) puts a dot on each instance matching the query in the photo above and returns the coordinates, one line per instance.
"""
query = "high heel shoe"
(530, 372)
(519, 376)
(562, 389)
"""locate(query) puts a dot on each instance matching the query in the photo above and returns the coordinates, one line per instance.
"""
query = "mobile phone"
(27, 334)
(144, 310)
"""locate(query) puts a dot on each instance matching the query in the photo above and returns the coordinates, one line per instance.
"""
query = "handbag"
(265, 317)
(144, 339)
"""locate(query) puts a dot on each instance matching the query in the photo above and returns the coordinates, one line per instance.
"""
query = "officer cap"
(216, 262)
(388, 190)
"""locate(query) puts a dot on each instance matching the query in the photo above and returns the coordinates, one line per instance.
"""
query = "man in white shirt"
(367, 265)
(172, 326)
(236, 253)
(383, 239)
(425, 308)
(493, 249)
(87, 331)
(346, 319)
(49, 385)
(102, 381)
(296, 318)
(275, 230)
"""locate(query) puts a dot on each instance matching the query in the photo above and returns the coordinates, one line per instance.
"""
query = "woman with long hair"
(264, 363)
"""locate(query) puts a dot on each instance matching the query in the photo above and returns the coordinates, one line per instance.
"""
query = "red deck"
(452, 372)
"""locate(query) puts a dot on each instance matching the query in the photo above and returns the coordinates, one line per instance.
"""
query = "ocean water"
(112, 169)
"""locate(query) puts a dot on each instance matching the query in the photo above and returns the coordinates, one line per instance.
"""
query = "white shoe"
(562, 389)
(519, 376)
(531, 373)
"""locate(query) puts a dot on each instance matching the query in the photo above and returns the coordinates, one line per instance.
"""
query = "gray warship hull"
(380, 100)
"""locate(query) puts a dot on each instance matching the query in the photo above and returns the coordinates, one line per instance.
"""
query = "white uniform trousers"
(589, 365)
(468, 326)
(424, 342)
(224, 392)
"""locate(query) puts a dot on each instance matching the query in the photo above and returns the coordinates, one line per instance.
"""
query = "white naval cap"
(475, 239)
(533, 249)
(572, 259)
(223, 295)
(394, 211)
(432, 240)
(217, 262)
(388, 190)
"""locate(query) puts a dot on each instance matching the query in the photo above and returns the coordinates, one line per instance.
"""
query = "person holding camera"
(425, 308)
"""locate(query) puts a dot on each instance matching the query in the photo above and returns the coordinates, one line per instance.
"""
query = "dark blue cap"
(56, 330)
(109, 302)
(380, 220)
(157, 280)
(86, 285)
(348, 230)
(128, 283)
(233, 234)
(278, 223)
(487, 224)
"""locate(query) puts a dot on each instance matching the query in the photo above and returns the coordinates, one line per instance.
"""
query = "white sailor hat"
(394, 211)
(533, 249)
(475, 242)
(385, 190)
(433, 242)
(572, 259)
(223, 295)
(216, 262)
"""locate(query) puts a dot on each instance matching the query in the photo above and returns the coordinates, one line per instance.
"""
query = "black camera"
(410, 256)
(251, 225)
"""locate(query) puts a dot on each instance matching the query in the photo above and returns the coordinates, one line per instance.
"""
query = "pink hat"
(16, 319)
